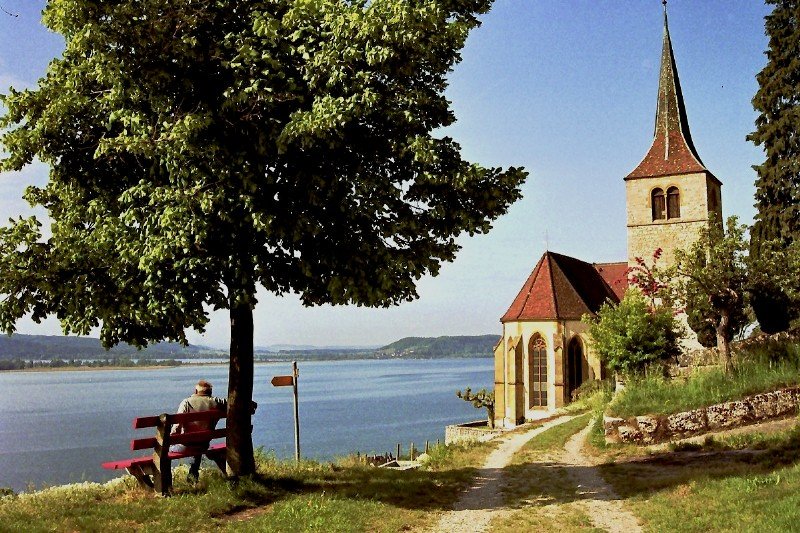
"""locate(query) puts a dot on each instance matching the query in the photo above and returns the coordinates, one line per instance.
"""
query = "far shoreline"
(225, 362)
(83, 368)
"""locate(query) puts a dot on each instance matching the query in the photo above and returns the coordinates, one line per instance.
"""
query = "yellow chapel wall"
(512, 399)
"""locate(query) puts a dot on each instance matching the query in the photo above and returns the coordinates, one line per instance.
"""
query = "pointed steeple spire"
(672, 151)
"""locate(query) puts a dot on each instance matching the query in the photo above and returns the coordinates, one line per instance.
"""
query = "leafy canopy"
(713, 273)
(198, 149)
(778, 184)
(631, 335)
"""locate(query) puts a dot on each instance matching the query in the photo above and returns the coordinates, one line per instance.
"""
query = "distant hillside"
(49, 346)
(433, 347)
(46, 347)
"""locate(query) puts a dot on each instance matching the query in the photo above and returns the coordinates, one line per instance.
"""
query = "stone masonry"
(651, 429)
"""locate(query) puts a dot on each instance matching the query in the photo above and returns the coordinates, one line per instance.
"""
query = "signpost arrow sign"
(291, 381)
(282, 381)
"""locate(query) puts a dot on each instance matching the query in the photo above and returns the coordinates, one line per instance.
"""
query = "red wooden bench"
(155, 471)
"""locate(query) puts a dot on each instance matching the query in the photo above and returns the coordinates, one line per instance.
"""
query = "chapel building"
(545, 353)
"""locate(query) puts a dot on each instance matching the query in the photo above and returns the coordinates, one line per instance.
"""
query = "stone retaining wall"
(471, 431)
(650, 429)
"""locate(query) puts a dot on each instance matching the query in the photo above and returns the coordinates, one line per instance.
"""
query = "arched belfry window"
(537, 372)
(673, 203)
(659, 204)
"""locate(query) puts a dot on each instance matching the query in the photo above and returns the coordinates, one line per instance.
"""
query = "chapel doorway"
(574, 366)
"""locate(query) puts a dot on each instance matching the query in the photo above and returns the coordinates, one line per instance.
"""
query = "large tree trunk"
(240, 392)
(723, 339)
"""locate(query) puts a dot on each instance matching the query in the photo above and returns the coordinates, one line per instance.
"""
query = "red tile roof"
(672, 151)
(564, 288)
(615, 275)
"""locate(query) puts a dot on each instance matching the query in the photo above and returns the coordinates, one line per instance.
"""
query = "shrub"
(631, 335)
(590, 388)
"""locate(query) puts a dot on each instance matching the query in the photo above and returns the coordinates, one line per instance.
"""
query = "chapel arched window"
(537, 369)
(673, 203)
(658, 202)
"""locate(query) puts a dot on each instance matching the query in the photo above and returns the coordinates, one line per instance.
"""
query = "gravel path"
(483, 501)
(602, 504)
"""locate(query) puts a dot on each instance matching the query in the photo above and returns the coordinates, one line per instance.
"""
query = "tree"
(482, 399)
(714, 271)
(633, 334)
(773, 284)
(657, 285)
(199, 149)
(778, 184)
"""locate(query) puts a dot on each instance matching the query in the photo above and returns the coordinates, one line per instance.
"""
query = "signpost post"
(285, 381)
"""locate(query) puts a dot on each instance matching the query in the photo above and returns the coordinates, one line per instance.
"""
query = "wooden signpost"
(287, 381)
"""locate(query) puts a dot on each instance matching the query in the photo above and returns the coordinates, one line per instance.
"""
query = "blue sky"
(565, 88)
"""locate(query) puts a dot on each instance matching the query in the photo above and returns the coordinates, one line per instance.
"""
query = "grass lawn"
(342, 496)
(738, 483)
(716, 487)
(758, 371)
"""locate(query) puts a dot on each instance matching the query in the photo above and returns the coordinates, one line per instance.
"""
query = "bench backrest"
(179, 418)
(188, 437)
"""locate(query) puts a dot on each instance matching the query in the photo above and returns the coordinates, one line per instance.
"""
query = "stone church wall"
(699, 195)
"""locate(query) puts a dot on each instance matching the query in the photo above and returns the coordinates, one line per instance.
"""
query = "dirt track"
(483, 501)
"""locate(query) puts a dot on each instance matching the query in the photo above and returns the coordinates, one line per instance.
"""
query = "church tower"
(670, 195)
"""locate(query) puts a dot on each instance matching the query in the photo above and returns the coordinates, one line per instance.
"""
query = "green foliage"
(482, 399)
(760, 369)
(590, 388)
(778, 104)
(773, 274)
(631, 335)
(701, 319)
(712, 279)
(200, 149)
(777, 222)
(208, 149)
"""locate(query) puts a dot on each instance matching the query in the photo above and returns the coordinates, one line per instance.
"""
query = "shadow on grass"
(543, 483)
(645, 476)
(523, 485)
(411, 489)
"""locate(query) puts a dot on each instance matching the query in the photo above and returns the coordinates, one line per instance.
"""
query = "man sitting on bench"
(201, 400)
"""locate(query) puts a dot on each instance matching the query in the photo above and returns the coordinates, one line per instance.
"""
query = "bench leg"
(141, 476)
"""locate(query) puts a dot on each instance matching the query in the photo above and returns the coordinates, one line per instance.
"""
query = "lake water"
(57, 427)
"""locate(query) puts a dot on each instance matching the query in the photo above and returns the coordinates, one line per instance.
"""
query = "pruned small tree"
(482, 399)
(714, 270)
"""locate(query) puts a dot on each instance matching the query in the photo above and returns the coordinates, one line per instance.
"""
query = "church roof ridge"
(564, 287)
(672, 150)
